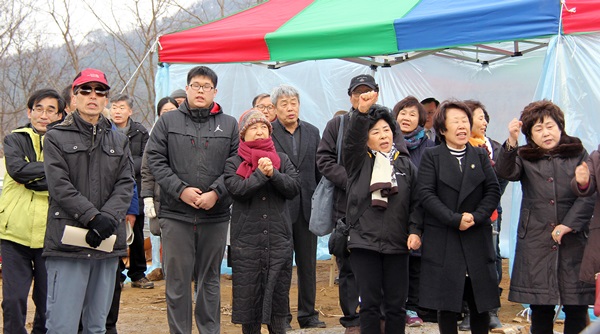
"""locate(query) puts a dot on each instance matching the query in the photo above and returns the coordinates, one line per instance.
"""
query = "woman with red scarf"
(260, 181)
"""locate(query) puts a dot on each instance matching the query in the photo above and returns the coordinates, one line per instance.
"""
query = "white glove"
(149, 210)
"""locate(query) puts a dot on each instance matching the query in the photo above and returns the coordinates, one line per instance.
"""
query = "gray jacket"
(188, 148)
(89, 170)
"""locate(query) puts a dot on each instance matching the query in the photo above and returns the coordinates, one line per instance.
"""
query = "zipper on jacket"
(93, 134)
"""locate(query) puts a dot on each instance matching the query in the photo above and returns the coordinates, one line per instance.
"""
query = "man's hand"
(514, 128)
(414, 242)
(366, 100)
(466, 222)
(149, 210)
(104, 225)
(582, 175)
(130, 219)
(191, 196)
(207, 200)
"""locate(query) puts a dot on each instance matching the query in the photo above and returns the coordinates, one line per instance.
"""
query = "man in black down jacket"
(186, 153)
(89, 172)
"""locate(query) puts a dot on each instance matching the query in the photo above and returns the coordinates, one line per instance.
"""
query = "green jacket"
(24, 199)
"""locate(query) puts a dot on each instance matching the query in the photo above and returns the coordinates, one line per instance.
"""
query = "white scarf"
(383, 179)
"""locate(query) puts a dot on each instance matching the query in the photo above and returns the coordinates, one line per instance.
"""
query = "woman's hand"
(466, 221)
(265, 165)
(366, 100)
(414, 242)
(582, 175)
(514, 128)
(559, 231)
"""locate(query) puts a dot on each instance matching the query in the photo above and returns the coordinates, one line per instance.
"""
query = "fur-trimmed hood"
(568, 147)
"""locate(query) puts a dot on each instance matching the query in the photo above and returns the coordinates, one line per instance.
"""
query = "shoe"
(494, 320)
(313, 323)
(465, 324)
(412, 319)
(142, 283)
(352, 330)
(427, 315)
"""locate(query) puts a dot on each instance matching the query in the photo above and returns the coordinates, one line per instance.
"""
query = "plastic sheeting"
(565, 72)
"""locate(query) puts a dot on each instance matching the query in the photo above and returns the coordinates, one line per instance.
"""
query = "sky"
(83, 19)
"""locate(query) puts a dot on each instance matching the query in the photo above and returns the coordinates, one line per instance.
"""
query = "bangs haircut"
(535, 112)
(439, 118)
(202, 71)
(284, 90)
(410, 101)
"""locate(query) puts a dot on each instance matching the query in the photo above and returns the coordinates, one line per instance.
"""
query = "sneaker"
(412, 319)
(494, 321)
(142, 283)
(312, 323)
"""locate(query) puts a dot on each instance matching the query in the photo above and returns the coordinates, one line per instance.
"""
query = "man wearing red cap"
(89, 171)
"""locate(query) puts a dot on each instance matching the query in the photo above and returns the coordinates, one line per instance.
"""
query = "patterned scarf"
(252, 151)
(383, 178)
(415, 138)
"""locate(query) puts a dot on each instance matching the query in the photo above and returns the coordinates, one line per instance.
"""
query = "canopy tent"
(327, 29)
(505, 53)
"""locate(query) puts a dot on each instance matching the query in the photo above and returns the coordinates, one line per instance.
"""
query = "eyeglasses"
(357, 93)
(87, 90)
(205, 87)
(48, 112)
(262, 107)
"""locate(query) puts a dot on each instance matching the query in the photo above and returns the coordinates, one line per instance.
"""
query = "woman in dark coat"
(411, 117)
(260, 180)
(550, 235)
(381, 210)
(459, 192)
(585, 184)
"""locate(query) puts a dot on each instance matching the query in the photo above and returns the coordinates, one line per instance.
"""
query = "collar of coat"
(568, 147)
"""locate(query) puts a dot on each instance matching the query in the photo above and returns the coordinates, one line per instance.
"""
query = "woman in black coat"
(551, 236)
(381, 210)
(260, 180)
(459, 191)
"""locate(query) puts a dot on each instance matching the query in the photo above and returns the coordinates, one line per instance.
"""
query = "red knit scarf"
(251, 151)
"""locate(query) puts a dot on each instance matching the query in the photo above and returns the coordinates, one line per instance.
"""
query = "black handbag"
(338, 240)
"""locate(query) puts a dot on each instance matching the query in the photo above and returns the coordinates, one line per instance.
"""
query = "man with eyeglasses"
(90, 182)
(23, 212)
(186, 153)
(262, 102)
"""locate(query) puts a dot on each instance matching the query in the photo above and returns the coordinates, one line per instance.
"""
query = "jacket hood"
(568, 147)
(200, 115)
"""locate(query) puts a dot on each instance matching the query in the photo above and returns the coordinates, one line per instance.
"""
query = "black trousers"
(137, 255)
(542, 318)
(305, 254)
(414, 272)
(480, 322)
(21, 265)
(348, 293)
(382, 281)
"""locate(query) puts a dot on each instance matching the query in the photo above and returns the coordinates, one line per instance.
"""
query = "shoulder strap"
(340, 137)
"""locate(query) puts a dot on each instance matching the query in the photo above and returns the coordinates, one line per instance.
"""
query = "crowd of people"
(418, 185)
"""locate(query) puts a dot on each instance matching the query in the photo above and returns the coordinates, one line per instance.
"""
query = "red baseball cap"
(90, 75)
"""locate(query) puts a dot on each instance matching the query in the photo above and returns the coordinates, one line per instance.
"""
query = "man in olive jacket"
(23, 212)
(90, 181)
(186, 153)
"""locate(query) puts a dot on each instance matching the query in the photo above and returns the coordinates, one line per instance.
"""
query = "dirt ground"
(144, 311)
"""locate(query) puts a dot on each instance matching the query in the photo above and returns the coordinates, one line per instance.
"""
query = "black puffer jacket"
(188, 148)
(261, 240)
(138, 137)
(385, 231)
(89, 170)
(544, 272)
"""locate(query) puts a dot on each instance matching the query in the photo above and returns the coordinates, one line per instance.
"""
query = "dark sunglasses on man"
(86, 90)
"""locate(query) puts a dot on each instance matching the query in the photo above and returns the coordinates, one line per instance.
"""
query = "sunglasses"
(87, 90)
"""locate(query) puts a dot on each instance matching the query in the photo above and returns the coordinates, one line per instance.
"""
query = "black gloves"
(100, 228)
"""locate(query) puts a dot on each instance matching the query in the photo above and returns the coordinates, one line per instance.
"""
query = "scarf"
(252, 151)
(415, 138)
(383, 179)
